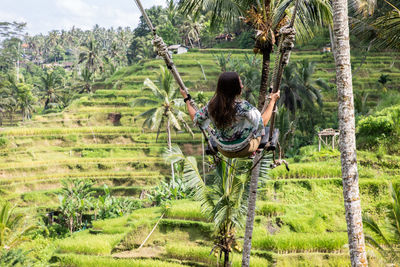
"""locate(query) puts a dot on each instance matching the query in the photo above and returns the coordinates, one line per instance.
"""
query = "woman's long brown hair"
(222, 106)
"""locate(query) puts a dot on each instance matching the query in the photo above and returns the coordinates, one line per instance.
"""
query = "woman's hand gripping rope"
(188, 98)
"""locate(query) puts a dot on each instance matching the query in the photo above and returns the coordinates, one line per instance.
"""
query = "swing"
(269, 141)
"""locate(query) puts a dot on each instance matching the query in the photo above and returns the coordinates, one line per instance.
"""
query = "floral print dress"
(248, 121)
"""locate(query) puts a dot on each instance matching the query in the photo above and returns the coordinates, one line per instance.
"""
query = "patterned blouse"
(249, 121)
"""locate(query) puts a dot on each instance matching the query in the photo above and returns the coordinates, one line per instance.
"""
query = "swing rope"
(285, 46)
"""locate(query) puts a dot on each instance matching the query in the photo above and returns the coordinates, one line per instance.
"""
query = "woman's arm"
(191, 110)
(266, 116)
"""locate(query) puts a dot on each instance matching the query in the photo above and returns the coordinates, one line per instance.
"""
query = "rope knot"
(162, 49)
(289, 37)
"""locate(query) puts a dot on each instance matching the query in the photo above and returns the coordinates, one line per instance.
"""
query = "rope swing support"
(283, 53)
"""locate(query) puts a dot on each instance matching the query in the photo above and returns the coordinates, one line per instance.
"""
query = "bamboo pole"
(154, 228)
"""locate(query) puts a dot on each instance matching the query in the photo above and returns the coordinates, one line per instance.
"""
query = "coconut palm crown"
(164, 104)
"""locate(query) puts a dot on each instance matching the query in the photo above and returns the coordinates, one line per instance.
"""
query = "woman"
(234, 119)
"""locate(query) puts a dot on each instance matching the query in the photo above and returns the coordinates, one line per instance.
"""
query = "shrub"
(3, 141)
(168, 191)
(382, 127)
(15, 257)
(112, 207)
(40, 249)
(74, 202)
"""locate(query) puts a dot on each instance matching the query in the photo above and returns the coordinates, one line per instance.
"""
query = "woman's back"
(248, 121)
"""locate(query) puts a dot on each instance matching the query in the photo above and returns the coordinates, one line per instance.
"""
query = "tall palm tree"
(298, 90)
(9, 92)
(25, 100)
(164, 110)
(91, 56)
(266, 17)
(223, 199)
(347, 138)
(8, 102)
(388, 251)
(50, 82)
(87, 79)
(191, 29)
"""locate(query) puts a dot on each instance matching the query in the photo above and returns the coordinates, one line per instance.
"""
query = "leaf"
(148, 84)
(143, 101)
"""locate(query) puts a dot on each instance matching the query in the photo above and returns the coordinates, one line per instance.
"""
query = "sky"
(43, 16)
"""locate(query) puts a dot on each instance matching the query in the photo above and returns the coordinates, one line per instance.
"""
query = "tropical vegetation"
(97, 169)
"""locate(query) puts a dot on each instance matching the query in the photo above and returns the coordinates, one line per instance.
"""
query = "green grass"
(73, 260)
(89, 244)
(299, 242)
(329, 169)
(205, 228)
(144, 178)
(270, 209)
(186, 210)
(300, 213)
(315, 259)
(202, 254)
(120, 225)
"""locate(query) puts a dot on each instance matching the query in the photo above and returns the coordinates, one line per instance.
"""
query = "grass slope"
(300, 215)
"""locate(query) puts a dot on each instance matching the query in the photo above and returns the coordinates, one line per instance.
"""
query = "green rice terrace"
(99, 137)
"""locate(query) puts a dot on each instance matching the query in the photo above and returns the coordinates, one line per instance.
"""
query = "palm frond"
(173, 120)
(395, 192)
(159, 128)
(221, 10)
(265, 168)
(321, 83)
(372, 242)
(370, 223)
(311, 14)
(166, 81)
(143, 102)
(178, 102)
(148, 84)
(157, 118)
(181, 118)
(174, 155)
(148, 113)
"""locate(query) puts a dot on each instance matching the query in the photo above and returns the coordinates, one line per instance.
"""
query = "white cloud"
(43, 16)
(76, 7)
(9, 16)
(118, 17)
(159, 2)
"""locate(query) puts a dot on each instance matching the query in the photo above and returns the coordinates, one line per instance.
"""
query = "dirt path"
(144, 252)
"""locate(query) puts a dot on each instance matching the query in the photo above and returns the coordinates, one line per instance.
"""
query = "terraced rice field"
(300, 215)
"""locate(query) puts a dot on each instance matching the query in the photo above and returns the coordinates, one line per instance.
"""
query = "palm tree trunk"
(170, 147)
(248, 234)
(264, 76)
(203, 158)
(347, 142)
(331, 38)
(256, 170)
(226, 259)
(11, 117)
